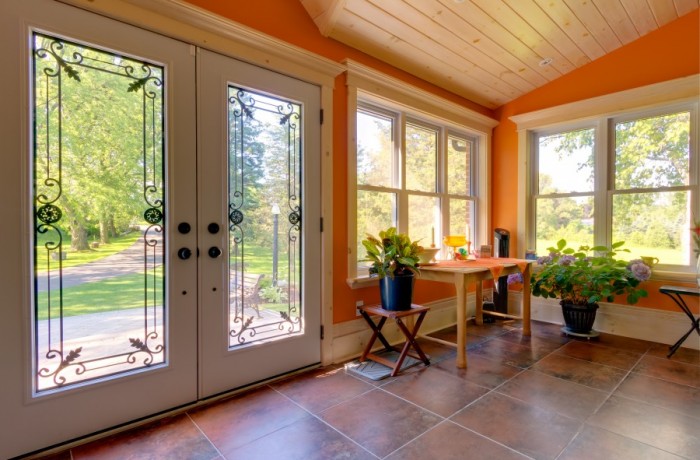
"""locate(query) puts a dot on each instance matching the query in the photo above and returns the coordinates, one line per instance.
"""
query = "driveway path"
(128, 261)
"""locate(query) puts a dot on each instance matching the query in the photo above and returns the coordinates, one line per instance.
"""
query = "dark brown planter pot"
(579, 318)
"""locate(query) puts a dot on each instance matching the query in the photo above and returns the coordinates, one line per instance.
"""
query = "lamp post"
(275, 224)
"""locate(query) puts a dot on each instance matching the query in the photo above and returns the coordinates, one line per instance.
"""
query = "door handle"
(214, 252)
(184, 253)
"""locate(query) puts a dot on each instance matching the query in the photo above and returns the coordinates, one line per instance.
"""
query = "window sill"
(362, 282)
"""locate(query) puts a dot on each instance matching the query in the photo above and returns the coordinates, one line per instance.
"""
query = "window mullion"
(400, 152)
(603, 179)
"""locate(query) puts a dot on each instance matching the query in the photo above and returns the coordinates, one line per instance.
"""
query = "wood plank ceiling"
(491, 51)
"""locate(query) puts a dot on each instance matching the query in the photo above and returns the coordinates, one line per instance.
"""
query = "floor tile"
(594, 375)
(63, 455)
(448, 441)
(538, 433)
(436, 390)
(379, 421)
(495, 409)
(666, 369)
(449, 334)
(495, 329)
(437, 352)
(596, 444)
(513, 354)
(239, 420)
(661, 428)
(607, 355)
(551, 393)
(320, 389)
(684, 355)
(549, 331)
(306, 439)
(535, 340)
(619, 342)
(481, 371)
(669, 395)
(172, 437)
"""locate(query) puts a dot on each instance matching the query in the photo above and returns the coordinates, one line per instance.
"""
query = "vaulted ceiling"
(491, 51)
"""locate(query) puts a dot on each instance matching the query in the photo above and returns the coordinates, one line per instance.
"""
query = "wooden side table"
(377, 334)
(676, 293)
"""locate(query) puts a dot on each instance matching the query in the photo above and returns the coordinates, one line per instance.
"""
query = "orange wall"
(673, 51)
(668, 53)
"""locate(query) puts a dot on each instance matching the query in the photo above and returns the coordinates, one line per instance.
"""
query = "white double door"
(213, 166)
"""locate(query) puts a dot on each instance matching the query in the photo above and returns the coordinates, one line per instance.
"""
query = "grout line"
(205, 435)
(328, 424)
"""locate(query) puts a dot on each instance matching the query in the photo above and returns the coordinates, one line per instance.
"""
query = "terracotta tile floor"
(541, 397)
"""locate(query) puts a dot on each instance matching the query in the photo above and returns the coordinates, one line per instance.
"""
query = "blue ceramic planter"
(397, 293)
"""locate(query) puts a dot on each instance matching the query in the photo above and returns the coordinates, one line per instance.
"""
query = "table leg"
(461, 287)
(526, 301)
(479, 295)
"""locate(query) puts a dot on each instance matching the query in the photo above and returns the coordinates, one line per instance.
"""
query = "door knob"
(214, 252)
(213, 228)
(184, 253)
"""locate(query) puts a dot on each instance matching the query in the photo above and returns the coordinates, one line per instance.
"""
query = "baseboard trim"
(660, 326)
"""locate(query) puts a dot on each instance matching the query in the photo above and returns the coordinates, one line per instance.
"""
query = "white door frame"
(32, 421)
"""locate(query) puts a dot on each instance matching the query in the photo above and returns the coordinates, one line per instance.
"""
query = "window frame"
(370, 89)
(604, 161)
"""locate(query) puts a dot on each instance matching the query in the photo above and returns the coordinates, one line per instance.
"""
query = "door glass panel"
(265, 217)
(99, 189)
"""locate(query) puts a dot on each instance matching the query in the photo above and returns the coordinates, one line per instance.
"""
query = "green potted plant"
(394, 260)
(580, 279)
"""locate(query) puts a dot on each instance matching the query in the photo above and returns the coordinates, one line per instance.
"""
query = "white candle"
(432, 236)
(466, 234)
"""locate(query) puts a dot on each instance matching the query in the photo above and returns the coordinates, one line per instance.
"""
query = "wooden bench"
(246, 288)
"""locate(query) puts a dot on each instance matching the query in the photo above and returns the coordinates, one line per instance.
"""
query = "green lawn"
(75, 258)
(118, 293)
(127, 291)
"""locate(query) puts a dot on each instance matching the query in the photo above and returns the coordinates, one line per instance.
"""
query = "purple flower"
(566, 260)
(515, 278)
(632, 262)
(640, 271)
(544, 260)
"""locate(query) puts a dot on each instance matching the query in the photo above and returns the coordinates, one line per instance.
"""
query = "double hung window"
(412, 173)
(631, 178)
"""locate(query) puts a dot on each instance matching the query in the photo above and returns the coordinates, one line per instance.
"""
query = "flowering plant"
(578, 278)
(696, 237)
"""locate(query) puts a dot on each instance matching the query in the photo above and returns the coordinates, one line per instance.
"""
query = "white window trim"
(679, 91)
(381, 90)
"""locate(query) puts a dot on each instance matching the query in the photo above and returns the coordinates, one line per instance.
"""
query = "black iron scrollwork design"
(49, 214)
(153, 215)
(236, 217)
